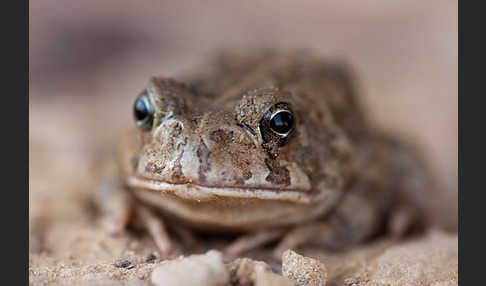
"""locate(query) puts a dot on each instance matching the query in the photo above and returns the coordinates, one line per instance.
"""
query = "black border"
(15, 134)
(471, 187)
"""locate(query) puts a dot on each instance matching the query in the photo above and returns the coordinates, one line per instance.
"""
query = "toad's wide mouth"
(196, 191)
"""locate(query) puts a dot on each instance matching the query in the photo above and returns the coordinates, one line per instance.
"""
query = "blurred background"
(88, 60)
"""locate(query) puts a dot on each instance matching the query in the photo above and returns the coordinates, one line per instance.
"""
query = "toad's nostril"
(176, 129)
(248, 128)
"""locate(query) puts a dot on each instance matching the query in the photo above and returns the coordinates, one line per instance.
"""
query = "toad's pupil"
(282, 122)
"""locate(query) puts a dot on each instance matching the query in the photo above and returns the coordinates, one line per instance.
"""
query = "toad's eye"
(143, 112)
(282, 122)
(277, 123)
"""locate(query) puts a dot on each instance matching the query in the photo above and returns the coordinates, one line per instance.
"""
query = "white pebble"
(206, 269)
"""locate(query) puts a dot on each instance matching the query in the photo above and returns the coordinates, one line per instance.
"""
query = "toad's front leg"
(115, 205)
(118, 208)
(252, 241)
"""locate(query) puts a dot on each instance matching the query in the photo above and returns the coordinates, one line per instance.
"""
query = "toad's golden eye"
(277, 123)
(143, 113)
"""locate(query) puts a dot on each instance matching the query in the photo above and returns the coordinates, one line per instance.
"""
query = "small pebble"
(350, 281)
(303, 270)
(243, 271)
(151, 257)
(123, 263)
(204, 270)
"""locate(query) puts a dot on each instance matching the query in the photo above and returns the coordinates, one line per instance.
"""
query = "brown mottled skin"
(208, 159)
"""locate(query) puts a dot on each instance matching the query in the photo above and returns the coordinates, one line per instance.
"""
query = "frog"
(275, 147)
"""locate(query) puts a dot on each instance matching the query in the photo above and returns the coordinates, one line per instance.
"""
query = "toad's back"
(318, 86)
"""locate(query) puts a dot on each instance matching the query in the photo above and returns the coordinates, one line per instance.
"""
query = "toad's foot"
(252, 241)
(119, 209)
(155, 226)
(403, 220)
(321, 233)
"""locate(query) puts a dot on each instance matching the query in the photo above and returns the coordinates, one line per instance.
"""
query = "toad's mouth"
(196, 191)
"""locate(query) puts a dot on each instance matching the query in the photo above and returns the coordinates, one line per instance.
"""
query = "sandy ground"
(89, 59)
(68, 245)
